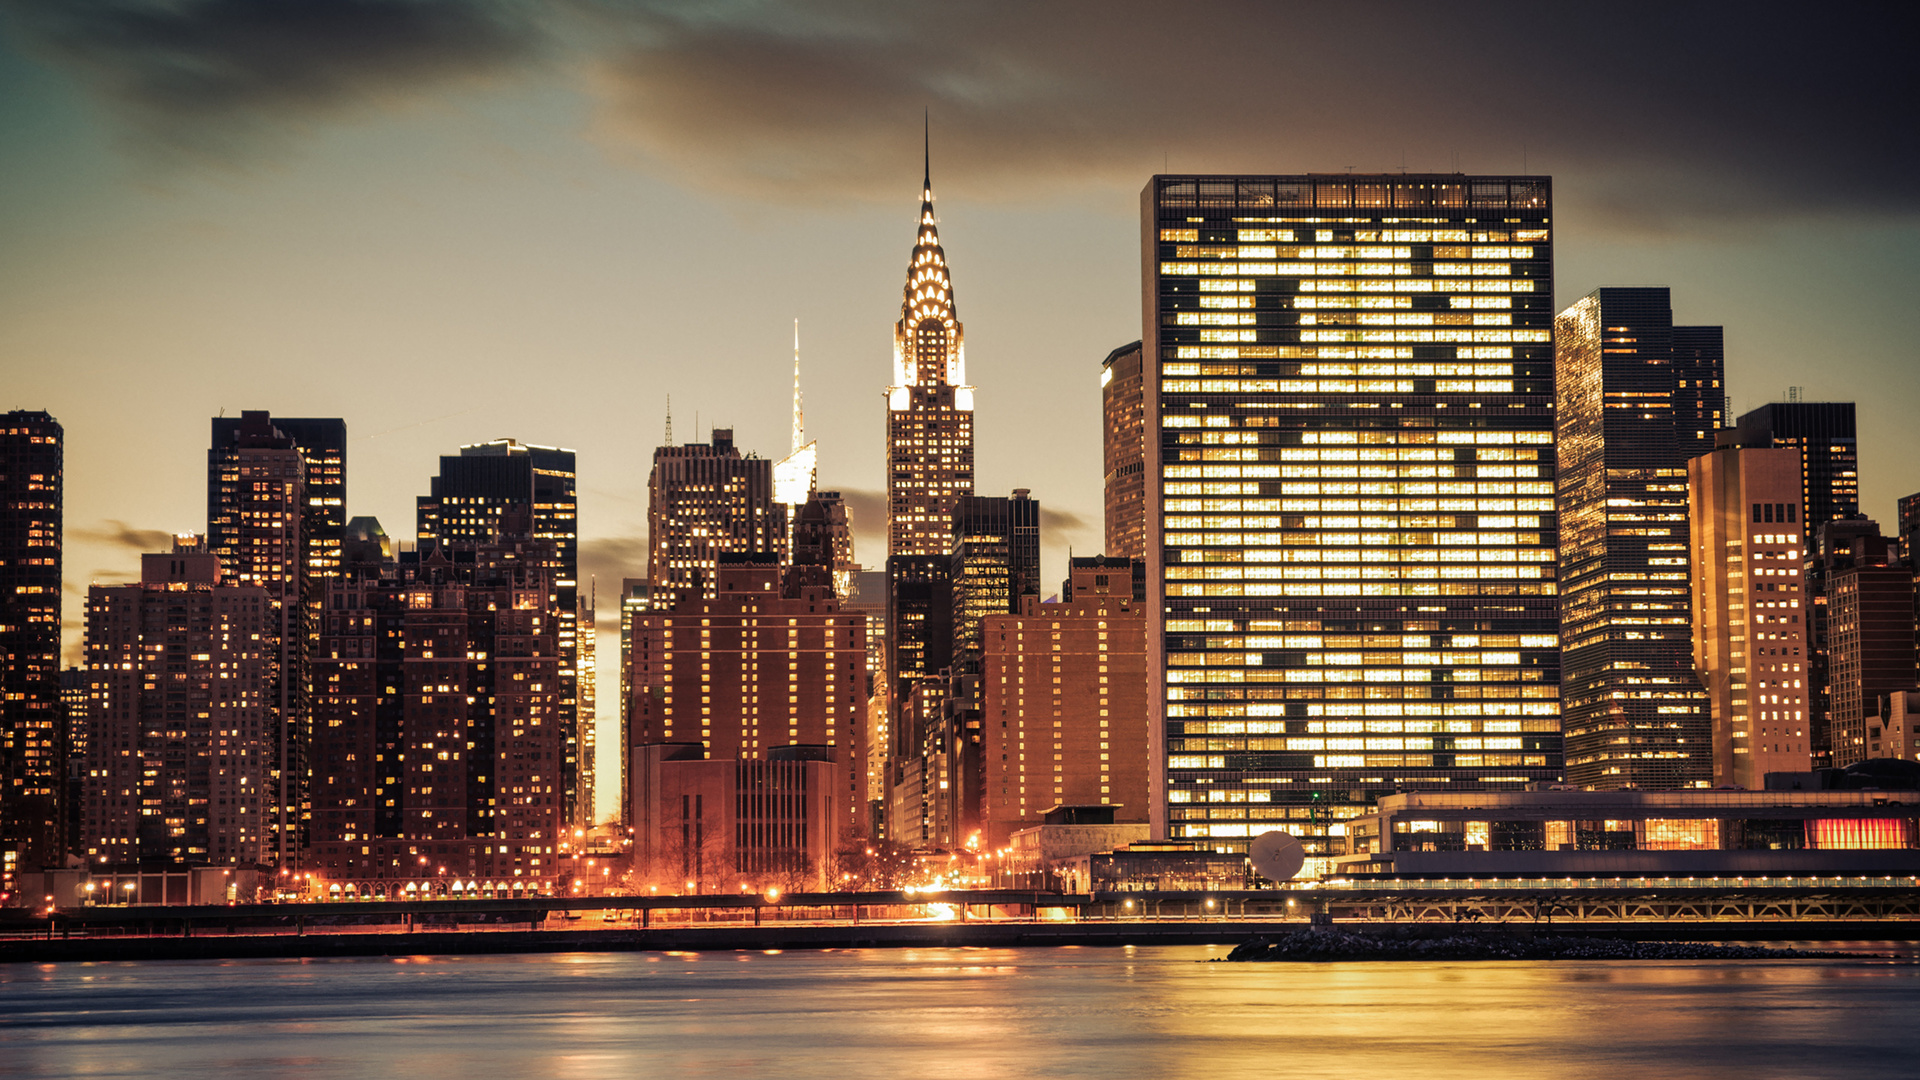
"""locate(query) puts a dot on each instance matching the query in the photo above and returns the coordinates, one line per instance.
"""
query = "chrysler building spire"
(929, 405)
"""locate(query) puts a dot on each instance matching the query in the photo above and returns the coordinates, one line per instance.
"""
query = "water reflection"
(1113, 1013)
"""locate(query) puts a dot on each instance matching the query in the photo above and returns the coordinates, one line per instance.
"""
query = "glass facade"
(1638, 397)
(1351, 516)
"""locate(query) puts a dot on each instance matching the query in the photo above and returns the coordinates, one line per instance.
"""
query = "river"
(977, 1013)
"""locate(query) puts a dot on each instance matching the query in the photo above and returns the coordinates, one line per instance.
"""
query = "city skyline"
(430, 219)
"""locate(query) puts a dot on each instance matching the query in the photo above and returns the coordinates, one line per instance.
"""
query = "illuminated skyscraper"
(1749, 609)
(795, 475)
(509, 488)
(322, 442)
(705, 500)
(1638, 398)
(929, 405)
(633, 603)
(1350, 517)
(32, 739)
(257, 512)
(184, 730)
(1122, 439)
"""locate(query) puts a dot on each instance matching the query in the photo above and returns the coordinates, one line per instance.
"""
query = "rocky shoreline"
(1332, 945)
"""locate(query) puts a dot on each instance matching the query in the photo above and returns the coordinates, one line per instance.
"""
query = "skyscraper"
(1869, 642)
(705, 500)
(184, 730)
(1823, 432)
(32, 737)
(441, 722)
(929, 406)
(257, 511)
(1350, 520)
(796, 475)
(509, 488)
(749, 670)
(1123, 442)
(322, 442)
(1063, 692)
(996, 561)
(1749, 606)
(633, 603)
(1638, 398)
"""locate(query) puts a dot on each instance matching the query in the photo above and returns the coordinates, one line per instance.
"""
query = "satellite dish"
(1276, 856)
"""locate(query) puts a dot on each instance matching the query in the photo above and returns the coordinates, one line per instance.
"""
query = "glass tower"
(1638, 398)
(1351, 527)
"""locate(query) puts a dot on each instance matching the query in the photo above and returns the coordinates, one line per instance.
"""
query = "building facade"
(509, 488)
(1637, 398)
(257, 514)
(33, 750)
(1351, 531)
(440, 728)
(713, 825)
(183, 732)
(1870, 646)
(705, 500)
(1750, 640)
(750, 670)
(1123, 446)
(1064, 705)
(1823, 432)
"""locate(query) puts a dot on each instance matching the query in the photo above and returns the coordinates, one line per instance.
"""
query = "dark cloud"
(605, 561)
(206, 75)
(1060, 521)
(867, 514)
(115, 533)
(1699, 109)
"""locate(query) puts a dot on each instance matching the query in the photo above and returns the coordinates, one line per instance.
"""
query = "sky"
(449, 221)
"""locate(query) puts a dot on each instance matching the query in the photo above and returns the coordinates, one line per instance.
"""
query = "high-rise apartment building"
(509, 488)
(322, 442)
(1638, 398)
(33, 763)
(750, 669)
(1063, 691)
(1823, 432)
(1350, 521)
(257, 514)
(1749, 609)
(441, 726)
(996, 561)
(586, 702)
(1123, 445)
(1869, 643)
(929, 405)
(705, 500)
(183, 730)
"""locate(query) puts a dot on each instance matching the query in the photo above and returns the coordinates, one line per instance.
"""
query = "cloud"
(606, 560)
(867, 513)
(113, 532)
(1060, 521)
(1701, 110)
(209, 76)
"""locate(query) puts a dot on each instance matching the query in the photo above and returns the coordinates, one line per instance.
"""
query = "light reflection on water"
(977, 1013)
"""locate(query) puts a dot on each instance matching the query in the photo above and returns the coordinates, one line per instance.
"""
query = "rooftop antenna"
(669, 419)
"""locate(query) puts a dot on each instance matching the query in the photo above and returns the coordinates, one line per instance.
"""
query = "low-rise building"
(1611, 833)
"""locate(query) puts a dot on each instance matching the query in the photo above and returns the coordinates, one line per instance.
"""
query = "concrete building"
(1750, 641)
(1350, 521)
(750, 669)
(440, 733)
(705, 500)
(183, 733)
(257, 514)
(1870, 644)
(1633, 833)
(705, 824)
(1063, 705)
(1123, 446)
(33, 744)
(1637, 398)
(1894, 731)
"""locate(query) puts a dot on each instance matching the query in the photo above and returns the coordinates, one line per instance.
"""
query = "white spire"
(799, 418)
